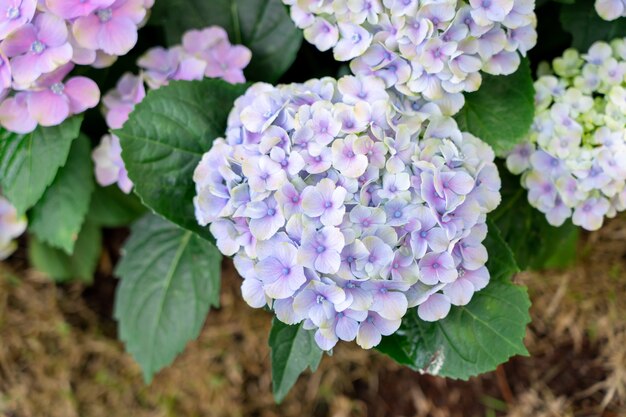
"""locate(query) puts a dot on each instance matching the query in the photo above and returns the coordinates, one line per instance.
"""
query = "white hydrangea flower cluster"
(344, 206)
(433, 48)
(11, 227)
(574, 161)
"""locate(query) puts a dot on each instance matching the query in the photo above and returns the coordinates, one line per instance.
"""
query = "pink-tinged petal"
(190, 69)
(435, 308)
(368, 336)
(118, 36)
(52, 29)
(252, 292)
(117, 116)
(234, 76)
(326, 338)
(25, 69)
(390, 305)
(328, 262)
(459, 292)
(83, 94)
(86, 31)
(107, 171)
(14, 116)
(48, 108)
(479, 278)
(71, 9)
(269, 270)
(103, 60)
(285, 312)
(134, 10)
(80, 55)
(19, 41)
(239, 56)
(53, 58)
(347, 328)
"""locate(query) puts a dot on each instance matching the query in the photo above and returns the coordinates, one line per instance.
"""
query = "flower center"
(423, 234)
(286, 271)
(436, 265)
(320, 299)
(13, 12)
(57, 88)
(328, 204)
(271, 212)
(397, 214)
(295, 199)
(37, 47)
(104, 15)
(320, 249)
(350, 259)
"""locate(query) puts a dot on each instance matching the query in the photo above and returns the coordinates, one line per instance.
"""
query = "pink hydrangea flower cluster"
(204, 53)
(574, 161)
(344, 207)
(41, 41)
(422, 47)
(11, 227)
(611, 9)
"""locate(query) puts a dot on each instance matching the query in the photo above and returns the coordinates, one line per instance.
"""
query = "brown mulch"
(59, 356)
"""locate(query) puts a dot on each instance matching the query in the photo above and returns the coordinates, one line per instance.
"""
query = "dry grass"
(58, 357)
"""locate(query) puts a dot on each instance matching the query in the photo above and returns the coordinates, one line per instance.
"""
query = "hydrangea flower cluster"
(204, 53)
(431, 48)
(41, 41)
(11, 227)
(574, 161)
(344, 207)
(611, 9)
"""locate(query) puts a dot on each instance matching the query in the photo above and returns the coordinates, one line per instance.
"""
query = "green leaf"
(63, 267)
(29, 163)
(502, 110)
(472, 340)
(263, 26)
(169, 279)
(501, 263)
(165, 138)
(535, 243)
(110, 207)
(586, 26)
(57, 217)
(293, 351)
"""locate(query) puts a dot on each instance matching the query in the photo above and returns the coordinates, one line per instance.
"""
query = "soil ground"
(59, 356)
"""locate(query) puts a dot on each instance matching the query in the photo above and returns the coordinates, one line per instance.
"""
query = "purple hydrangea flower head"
(323, 191)
(432, 48)
(11, 227)
(572, 162)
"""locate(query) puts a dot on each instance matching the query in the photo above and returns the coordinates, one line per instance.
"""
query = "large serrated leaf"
(169, 280)
(57, 218)
(472, 340)
(165, 138)
(263, 26)
(502, 110)
(293, 351)
(29, 163)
